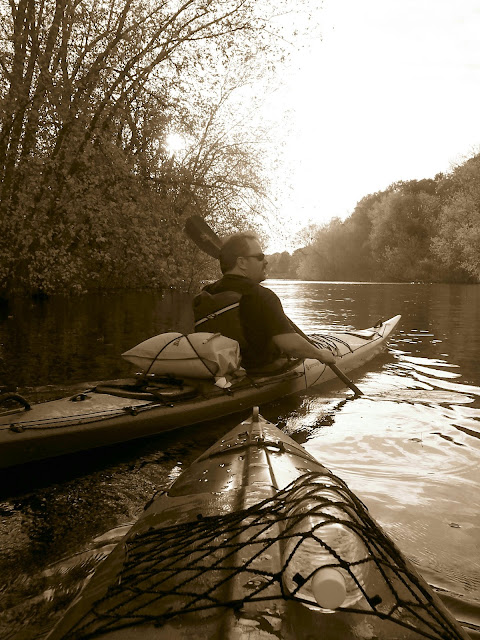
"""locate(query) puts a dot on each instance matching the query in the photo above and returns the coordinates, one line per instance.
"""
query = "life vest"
(219, 313)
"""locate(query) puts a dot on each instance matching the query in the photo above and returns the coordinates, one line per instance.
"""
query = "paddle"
(203, 236)
(207, 240)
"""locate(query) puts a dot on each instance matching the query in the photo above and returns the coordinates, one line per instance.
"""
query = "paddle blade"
(203, 236)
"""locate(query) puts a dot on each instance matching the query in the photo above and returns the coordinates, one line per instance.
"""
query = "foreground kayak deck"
(114, 413)
(208, 559)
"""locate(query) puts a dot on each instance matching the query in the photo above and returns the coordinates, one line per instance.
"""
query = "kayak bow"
(221, 554)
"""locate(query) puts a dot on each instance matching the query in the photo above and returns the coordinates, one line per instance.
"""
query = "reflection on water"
(66, 340)
(411, 455)
(409, 448)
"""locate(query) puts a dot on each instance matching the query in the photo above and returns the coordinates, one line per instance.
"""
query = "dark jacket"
(245, 311)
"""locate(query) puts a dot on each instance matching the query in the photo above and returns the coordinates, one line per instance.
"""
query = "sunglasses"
(259, 256)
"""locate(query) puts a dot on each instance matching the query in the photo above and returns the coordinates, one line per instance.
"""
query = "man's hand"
(326, 356)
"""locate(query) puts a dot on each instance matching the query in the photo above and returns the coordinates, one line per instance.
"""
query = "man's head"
(241, 254)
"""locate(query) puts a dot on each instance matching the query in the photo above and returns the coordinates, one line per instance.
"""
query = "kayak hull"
(218, 535)
(92, 419)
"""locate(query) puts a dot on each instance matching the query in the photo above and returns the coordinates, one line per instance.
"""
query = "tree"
(425, 230)
(89, 91)
(323, 258)
(280, 265)
(456, 244)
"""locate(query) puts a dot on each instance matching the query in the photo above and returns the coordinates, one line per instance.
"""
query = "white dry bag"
(196, 355)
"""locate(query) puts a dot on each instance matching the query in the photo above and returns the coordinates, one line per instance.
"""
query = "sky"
(391, 91)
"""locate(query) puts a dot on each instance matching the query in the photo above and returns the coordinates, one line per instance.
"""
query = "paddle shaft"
(207, 240)
(345, 379)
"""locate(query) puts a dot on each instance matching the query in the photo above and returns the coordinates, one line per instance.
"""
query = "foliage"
(420, 230)
(457, 242)
(400, 234)
(279, 265)
(91, 196)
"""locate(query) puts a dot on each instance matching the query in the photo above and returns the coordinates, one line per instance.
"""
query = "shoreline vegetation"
(119, 119)
(417, 231)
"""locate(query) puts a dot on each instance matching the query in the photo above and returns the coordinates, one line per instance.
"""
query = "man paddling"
(239, 307)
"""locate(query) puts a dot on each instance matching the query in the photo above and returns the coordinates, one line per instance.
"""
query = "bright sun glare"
(175, 143)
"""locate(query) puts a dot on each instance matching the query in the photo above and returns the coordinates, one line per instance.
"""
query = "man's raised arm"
(295, 346)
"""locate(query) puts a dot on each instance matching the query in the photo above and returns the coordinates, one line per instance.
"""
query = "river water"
(409, 448)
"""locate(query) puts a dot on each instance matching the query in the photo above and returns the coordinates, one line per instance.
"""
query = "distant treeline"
(420, 230)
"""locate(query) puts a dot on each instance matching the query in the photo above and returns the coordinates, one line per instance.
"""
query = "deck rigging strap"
(167, 344)
(73, 420)
(189, 568)
(326, 341)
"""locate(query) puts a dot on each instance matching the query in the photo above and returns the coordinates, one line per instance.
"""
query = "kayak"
(256, 540)
(121, 410)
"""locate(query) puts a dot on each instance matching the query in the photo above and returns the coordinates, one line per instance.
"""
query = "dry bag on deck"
(197, 355)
